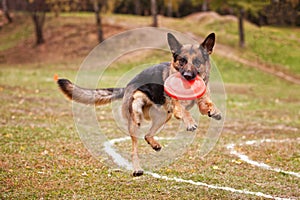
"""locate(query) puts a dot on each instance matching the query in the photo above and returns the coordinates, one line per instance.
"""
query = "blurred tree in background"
(37, 9)
(260, 12)
(154, 13)
(98, 7)
(6, 11)
(281, 12)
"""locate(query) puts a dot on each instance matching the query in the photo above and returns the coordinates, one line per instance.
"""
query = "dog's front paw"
(215, 115)
(190, 123)
(191, 127)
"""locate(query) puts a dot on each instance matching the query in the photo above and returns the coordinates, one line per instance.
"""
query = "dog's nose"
(188, 75)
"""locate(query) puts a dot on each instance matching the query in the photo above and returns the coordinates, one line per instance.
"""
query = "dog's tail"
(89, 96)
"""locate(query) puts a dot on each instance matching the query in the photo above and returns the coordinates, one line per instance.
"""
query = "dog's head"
(192, 60)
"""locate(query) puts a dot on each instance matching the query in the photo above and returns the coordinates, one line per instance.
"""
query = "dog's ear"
(209, 43)
(174, 45)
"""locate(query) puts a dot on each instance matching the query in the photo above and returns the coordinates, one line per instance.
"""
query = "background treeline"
(260, 12)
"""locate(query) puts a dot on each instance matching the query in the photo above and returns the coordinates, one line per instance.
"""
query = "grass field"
(42, 156)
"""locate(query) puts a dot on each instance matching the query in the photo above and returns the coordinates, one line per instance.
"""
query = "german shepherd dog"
(144, 97)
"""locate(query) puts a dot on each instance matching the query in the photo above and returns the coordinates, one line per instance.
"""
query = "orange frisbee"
(179, 88)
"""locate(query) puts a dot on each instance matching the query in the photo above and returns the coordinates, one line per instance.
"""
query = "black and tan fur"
(144, 97)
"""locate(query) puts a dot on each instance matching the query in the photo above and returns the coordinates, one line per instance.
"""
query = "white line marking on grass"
(229, 189)
(246, 159)
(122, 162)
(117, 158)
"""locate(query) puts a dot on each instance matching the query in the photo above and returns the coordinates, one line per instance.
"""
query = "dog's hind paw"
(138, 173)
(157, 147)
(153, 143)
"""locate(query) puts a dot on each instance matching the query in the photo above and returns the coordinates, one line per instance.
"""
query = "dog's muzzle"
(188, 75)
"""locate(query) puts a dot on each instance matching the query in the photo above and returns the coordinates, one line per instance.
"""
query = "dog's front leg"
(181, 113)
(207, 107)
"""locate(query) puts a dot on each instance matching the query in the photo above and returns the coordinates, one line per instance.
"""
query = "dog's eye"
(182, 61)
(197, 62)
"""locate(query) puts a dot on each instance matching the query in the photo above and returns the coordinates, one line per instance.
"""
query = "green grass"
(277, 46)
(261, 95)
(42, 155)
(274, 45)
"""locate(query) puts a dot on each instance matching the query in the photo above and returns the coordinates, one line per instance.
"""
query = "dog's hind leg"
(159, 116)
(137, 170)
(135, 119)
(142, 108)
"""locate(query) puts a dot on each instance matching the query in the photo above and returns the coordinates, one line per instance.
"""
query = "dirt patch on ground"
(66, 42)
(209, 17)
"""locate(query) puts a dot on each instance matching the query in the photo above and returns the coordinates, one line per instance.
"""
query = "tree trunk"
(37, 9)
(137, 7)
(241, 29)
(97, 9)
(5, 10)
(39, 19)
(154, 13)
(170, 10)
(205, 5)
